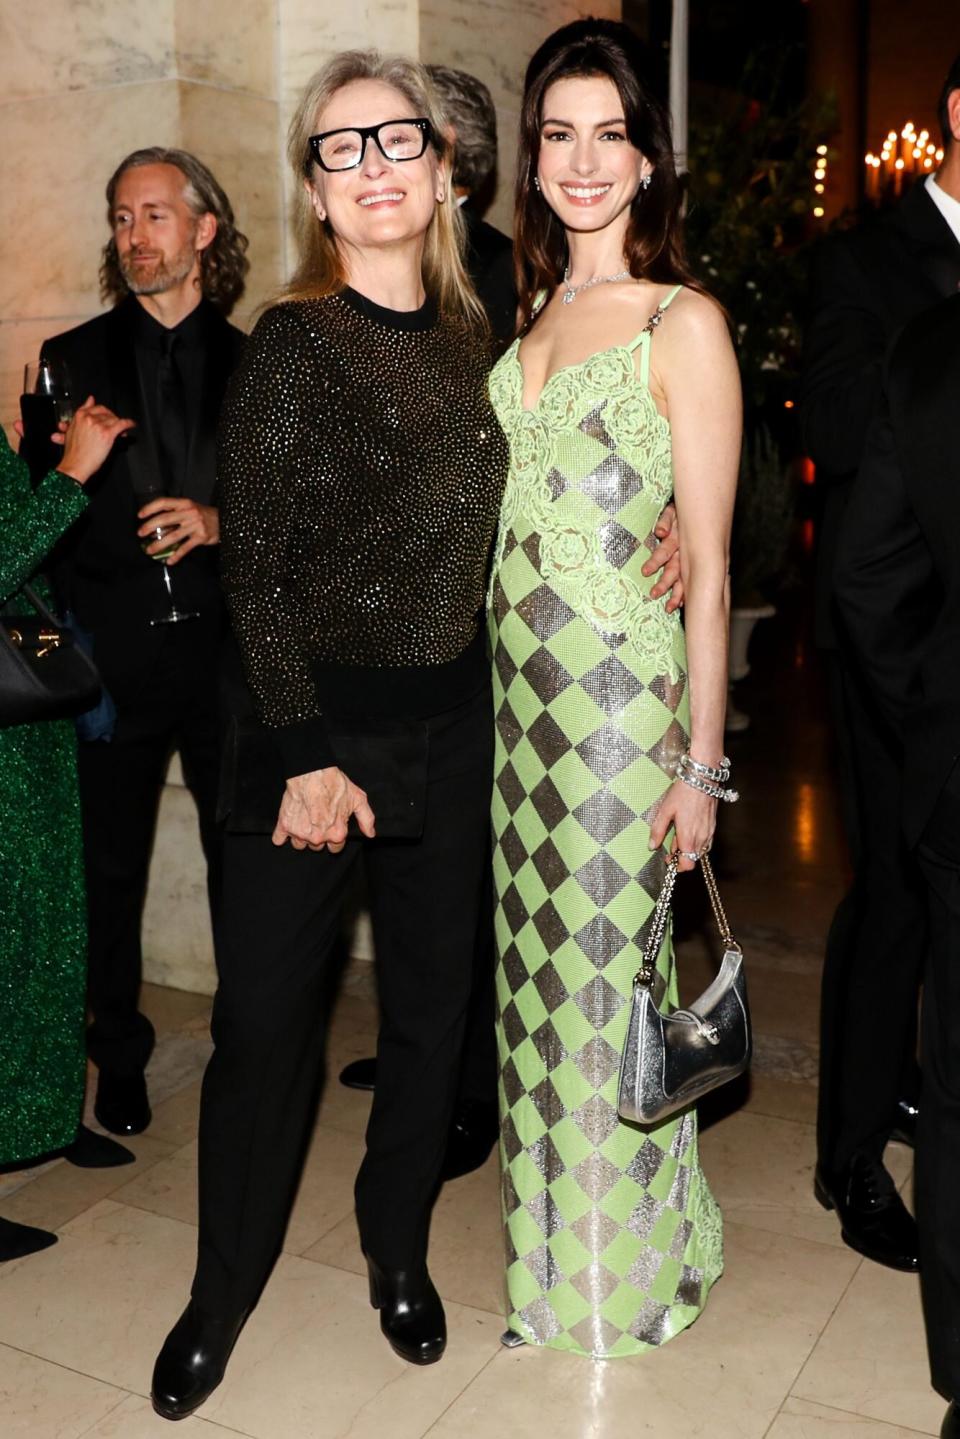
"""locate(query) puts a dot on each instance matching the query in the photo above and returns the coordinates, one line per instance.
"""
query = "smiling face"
(379, 202)
(158, 236)
(588, 170)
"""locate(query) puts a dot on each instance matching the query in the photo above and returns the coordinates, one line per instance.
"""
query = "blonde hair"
(320, 269)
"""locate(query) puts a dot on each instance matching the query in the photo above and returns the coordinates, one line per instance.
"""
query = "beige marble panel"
(761, 1171)
(466, 1242)
(227, 42)
(40, 1400)
(60, 1191)
(60, 45)
(725, 1377)
(324, 1197)
(236, 135)
(135, 1419)
(177, 942)
(871, 1358)
(310, 34)
(49, 259)
(311, 1360)
(800, 1420)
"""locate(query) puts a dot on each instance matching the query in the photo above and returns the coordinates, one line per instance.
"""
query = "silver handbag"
(670, 1060)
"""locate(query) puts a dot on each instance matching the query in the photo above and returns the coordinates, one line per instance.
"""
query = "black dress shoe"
(360, 1074)
(905, 1124)
(873, 1218)
(473, 1134)
(192, 1361)
(95, 1151)
(950, 1428)
(411, 1314)
(18, 1240)
(121, 1104)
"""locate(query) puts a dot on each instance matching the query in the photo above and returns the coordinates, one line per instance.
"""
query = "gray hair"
(469, 105)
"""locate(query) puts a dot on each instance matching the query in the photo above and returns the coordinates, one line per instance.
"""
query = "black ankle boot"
(411, 1314)
(873, 1218)
(192, 1361)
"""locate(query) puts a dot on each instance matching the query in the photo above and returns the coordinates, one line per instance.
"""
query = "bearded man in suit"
(868, 283)
(174, 267)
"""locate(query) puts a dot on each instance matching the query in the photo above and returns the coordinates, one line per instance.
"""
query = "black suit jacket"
(867, 283)
(897, 570)
(489, 261)
(100, 572)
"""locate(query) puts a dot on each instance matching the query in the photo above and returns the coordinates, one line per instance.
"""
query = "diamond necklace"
(574, 290)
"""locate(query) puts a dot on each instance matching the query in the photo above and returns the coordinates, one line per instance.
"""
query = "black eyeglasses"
(395, 139)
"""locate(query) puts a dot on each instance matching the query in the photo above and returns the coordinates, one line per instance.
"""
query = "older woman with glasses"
(361, 472)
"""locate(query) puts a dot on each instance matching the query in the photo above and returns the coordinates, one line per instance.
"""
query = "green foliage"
(751, 197)
(749, 227)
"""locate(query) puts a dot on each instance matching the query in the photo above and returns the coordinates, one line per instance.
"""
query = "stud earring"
(645, 182)
(536, 183)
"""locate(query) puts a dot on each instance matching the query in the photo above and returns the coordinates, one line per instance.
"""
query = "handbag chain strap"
(658, 922)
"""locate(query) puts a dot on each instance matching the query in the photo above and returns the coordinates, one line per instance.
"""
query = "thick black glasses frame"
(367, 132)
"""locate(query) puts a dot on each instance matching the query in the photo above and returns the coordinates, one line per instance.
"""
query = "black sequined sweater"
(361, 469)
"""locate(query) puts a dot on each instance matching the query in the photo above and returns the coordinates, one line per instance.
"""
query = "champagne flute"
(173, 615)
(46, 400)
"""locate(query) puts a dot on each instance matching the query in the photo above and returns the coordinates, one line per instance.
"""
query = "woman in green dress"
(43, 962)
(621, 392)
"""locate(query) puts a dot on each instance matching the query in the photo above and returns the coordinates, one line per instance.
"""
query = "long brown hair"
(320, 269)
(653, 249)
(223, 264)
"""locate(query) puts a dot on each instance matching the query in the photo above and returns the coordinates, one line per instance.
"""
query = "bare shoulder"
(696, 318)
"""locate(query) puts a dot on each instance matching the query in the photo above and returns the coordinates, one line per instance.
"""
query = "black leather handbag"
(671, 1058)
(43, 673)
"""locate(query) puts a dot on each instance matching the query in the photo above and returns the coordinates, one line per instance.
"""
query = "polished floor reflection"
(801, 1339)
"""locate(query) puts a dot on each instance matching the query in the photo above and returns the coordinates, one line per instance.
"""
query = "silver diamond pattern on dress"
(544, 1267)
(596, 1176)
(595, 1283)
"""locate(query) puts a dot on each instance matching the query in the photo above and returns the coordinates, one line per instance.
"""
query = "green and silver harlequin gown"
(613, 1238)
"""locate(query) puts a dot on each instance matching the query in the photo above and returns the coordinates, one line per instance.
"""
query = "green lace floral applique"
(572, 558)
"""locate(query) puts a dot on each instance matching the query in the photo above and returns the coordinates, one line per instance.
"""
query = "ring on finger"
(691, 854)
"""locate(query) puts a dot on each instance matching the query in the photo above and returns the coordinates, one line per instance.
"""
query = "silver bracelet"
(719, 774)
(705, 786)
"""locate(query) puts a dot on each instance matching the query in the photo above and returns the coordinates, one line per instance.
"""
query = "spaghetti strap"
(642, 342)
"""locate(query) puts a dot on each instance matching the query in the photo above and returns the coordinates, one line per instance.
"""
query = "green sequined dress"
(43, 930)
(613, 1238)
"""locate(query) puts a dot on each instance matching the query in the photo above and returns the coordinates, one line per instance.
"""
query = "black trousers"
(176, 707)
(875, 947)
(278, 927)
(478, 1071)
(937, 1173)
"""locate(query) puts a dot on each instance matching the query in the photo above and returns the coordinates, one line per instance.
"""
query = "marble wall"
(84, 84)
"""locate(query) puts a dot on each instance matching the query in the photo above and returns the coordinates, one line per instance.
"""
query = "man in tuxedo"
(898, 587)
(174, 267)
(867, 284)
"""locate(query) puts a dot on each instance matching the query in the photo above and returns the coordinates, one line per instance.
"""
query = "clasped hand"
(316, 809)
(185, 523)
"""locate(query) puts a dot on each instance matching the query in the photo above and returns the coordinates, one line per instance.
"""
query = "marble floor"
(801, 1339)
